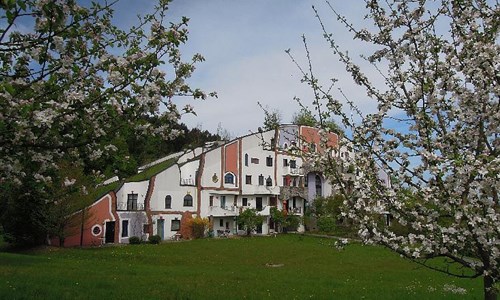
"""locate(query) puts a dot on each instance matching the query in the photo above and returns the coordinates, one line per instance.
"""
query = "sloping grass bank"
(286, 267)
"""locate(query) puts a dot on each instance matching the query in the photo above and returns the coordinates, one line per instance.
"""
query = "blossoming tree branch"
(70, 79)
(434, 132)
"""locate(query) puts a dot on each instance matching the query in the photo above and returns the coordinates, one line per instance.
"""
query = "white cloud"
(244, 42)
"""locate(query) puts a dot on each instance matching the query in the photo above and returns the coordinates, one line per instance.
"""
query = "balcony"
(123, 206)
(187, 181)
(218, 211)
(287, 192)
(295, 210)
(266, 211)
(292, 171)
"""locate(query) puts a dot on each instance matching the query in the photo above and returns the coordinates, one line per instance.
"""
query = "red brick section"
(311, 135)
(231, 158)
(240, 165)
(186, 231)
(147, 204)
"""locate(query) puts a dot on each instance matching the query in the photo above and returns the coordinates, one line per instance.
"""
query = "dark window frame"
(188, 200)
(168, 202)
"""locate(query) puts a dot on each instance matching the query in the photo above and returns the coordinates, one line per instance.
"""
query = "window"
(255, 160)
(168, 201)
(246, 159)
(175, 225)
(269, 161)
(285, 162)
(222, 201)
(261, 179)
(248, 179)
(132, 201)
(211, 200)
(145, 228)
(229, 178)
(124, 228)
(221, 223)
(318, 186)
(269, 181)
(244, 202)
(188, 200)
(293, 164)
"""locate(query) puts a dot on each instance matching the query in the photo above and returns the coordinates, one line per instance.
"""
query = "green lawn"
(303, 268)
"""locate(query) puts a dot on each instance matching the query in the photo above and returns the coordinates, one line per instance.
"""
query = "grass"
(286, 267)
(151, 171)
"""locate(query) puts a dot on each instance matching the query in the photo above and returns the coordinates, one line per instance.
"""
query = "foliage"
(292, 222)
(249, 219)
(434, 131)
(65, 273)
(272, 118)
(154, 239)
(327, 206)
(199, 227)
(71, 85)
(278, 217)
(326, 224)
(306, 117)
(134, 240)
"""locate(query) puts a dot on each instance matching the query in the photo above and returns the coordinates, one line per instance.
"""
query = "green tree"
(249, 220)
(278, 217)
(272, 118)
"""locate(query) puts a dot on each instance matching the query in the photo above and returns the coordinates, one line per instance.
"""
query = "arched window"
(168, 201)
(269, 181)
(319, 191)
(229, 178)
(246, 159)
(188, 200)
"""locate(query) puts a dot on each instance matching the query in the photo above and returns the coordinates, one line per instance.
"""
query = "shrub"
(199, 226)
(292, 222)
(134, 240)
(326, 224)
(155, 239)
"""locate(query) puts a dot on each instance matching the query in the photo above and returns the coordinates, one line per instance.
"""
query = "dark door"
(110, 232)
(259, 228)
(160, 228)
(258, 203)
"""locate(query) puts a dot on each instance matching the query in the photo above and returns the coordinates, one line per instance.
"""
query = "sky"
(244, 45)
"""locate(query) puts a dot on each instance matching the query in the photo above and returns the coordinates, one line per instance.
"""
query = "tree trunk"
(490, 292)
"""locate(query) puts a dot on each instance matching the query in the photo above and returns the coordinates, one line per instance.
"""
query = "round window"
(96, 230)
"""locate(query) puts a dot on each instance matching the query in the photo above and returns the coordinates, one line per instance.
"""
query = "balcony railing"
(187, 181)
(295, 210)
(129, 207)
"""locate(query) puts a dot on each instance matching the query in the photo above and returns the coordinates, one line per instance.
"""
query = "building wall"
(245, 156)
(95, 216)
(168, 183)
(140, 188)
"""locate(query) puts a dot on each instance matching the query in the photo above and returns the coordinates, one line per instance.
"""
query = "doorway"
(110, 232)
(258, 204)
(160, 229)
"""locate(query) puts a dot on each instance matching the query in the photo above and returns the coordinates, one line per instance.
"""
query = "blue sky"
(244, 45)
